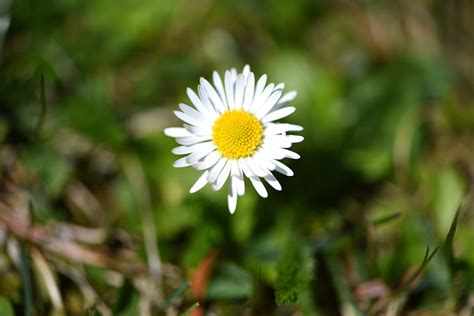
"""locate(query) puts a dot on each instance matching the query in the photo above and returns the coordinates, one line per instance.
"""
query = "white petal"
(269, 104)
(191, 140)
(208, 161)
(284, 100)
(267, 161)
(186, 109)
(243, 165)
(176, 132)
(200, 183)
(272, 151)
(199, 130)
(229, 89)
(213, 96)
(260, 99)
(246, 71)
(282, 141)
(249, 89)
(277, 141)
(273, 182)
(240, 182)
(256, 168)
(290, 154)
(278, 114)
(283, 169)
(232, 195)
(204, 96)
(198, 103)
(280, 86)
(257, 184)
(234, 168)
(239, 92)
(180, 163)
(295, 138)
(278, 128)
(280, 153)
(200, 153)
(236, 174)
(233, 73)
(216, 169)
(217, 185)
(184, 150)
(287, 97)
(189, 119)
(263, 162)
(259, 187)
(218, 84)
(258, 90)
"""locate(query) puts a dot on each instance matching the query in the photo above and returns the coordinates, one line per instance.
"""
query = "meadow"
(376, 220)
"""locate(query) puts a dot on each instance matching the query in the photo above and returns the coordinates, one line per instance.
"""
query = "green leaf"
(230, 283)
(52, 169)
(6, 308)
(132, 306)
(449, 191)
(205, 239)
(295, 271)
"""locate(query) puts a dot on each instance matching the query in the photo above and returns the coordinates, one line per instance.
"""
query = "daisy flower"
(231, 133)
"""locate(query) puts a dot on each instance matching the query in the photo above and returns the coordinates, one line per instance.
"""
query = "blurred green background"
(94, 219)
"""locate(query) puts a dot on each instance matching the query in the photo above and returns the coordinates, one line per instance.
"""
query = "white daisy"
(231, 132)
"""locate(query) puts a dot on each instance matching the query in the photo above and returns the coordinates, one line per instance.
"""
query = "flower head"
(231, 132)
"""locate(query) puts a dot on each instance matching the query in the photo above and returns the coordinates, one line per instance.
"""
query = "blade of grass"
(26, 281)
(190, 309)
(334, 243)
(42, 113)
(137, 179)
(386, 219)
(348, 303)
(176, 294)
(31, 212)
(426, 259)
(448, 243)
(257, 276)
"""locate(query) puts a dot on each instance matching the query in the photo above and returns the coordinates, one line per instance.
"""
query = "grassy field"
(377, 220)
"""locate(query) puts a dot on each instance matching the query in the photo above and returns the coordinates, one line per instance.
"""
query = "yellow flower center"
(237, 134)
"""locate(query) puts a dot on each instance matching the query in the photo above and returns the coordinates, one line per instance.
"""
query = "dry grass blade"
(48, 277)
(136, 176)
(92, 299)
(18, 224)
